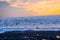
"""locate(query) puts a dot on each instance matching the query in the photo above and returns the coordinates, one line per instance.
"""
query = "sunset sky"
(17, 8)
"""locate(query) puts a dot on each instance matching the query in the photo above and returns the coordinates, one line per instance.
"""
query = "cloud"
(21, 2)
(9, 11)
(37, 7)
(2, 3)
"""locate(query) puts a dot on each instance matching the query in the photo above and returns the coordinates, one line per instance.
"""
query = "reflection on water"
(23, 29)
(30, 28)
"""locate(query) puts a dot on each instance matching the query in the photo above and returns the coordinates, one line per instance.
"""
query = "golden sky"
(38, 7)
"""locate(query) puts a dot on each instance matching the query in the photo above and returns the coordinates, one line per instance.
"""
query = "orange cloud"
(44, 7)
